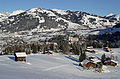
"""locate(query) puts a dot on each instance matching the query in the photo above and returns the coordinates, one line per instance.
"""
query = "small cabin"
(107, 49)
(111, 63)
(91, 50)
(88, 49)
(20, 56)
(47, 52)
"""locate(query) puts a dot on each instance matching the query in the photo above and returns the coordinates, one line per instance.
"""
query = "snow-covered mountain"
(111, 35)
(16, 12)
(85, 19)
(37, 19)
(111, 30)
(113, 17)
(4, 16)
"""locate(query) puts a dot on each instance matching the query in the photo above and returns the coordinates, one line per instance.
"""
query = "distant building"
(91, 50)
(73, 39)
(20, 56)
(107, 49)
(47, 52)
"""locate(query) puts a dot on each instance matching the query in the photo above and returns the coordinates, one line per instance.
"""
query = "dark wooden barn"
(20, 56)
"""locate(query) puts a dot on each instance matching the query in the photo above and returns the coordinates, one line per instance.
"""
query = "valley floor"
(55, 66)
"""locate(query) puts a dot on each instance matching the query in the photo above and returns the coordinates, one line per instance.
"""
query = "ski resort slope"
(55, 66)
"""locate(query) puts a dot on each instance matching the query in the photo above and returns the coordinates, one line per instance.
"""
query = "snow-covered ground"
(55, 66)
(103, 31)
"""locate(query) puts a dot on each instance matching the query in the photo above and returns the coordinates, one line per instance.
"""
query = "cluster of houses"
(94, 59)
(99, 60)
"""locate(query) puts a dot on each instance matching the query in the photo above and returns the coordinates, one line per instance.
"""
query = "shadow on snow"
(12, 58)
(72, 58)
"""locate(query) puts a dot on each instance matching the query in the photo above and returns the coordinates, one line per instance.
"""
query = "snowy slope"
(113, 17)
(111, 14)
(63, 12)
(112, 30)
(83, 18)
(3, 16)
(16, 12)
(50, 67)
(96, 23)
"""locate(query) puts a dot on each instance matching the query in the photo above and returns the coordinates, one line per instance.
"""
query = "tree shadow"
(12, 58)
(72, 58)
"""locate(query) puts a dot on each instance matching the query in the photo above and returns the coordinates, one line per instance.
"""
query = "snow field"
(55, 66)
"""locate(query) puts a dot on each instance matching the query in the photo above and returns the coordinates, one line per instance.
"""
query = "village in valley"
(96, 57)
(59, 39)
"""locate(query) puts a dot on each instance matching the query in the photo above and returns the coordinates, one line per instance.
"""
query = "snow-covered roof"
(20, 54)
(115, 61)
(84, 61)
(95, 60)
(90, 47)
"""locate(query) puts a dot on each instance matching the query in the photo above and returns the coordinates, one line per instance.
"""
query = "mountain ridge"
(37, 18)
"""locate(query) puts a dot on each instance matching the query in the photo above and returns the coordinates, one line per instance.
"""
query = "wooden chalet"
(20, 56)
(107, 49)
(91, 50)
(47, 52)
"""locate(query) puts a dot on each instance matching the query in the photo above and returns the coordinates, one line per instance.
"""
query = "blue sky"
(98, 7)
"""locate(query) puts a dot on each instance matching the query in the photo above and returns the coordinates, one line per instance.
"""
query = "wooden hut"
(47, 52)
(91, 50)
(107, 49)
(20, 56)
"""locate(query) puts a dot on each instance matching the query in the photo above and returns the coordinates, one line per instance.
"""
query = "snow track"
(53, 68)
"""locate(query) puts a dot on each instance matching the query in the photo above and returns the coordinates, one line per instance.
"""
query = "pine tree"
(82, 54)
(34, 48)
(103, 58)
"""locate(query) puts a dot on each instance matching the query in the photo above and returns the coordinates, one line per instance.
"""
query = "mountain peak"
(16, 12)
(35, 9)
(111, 14)
(63, 12)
